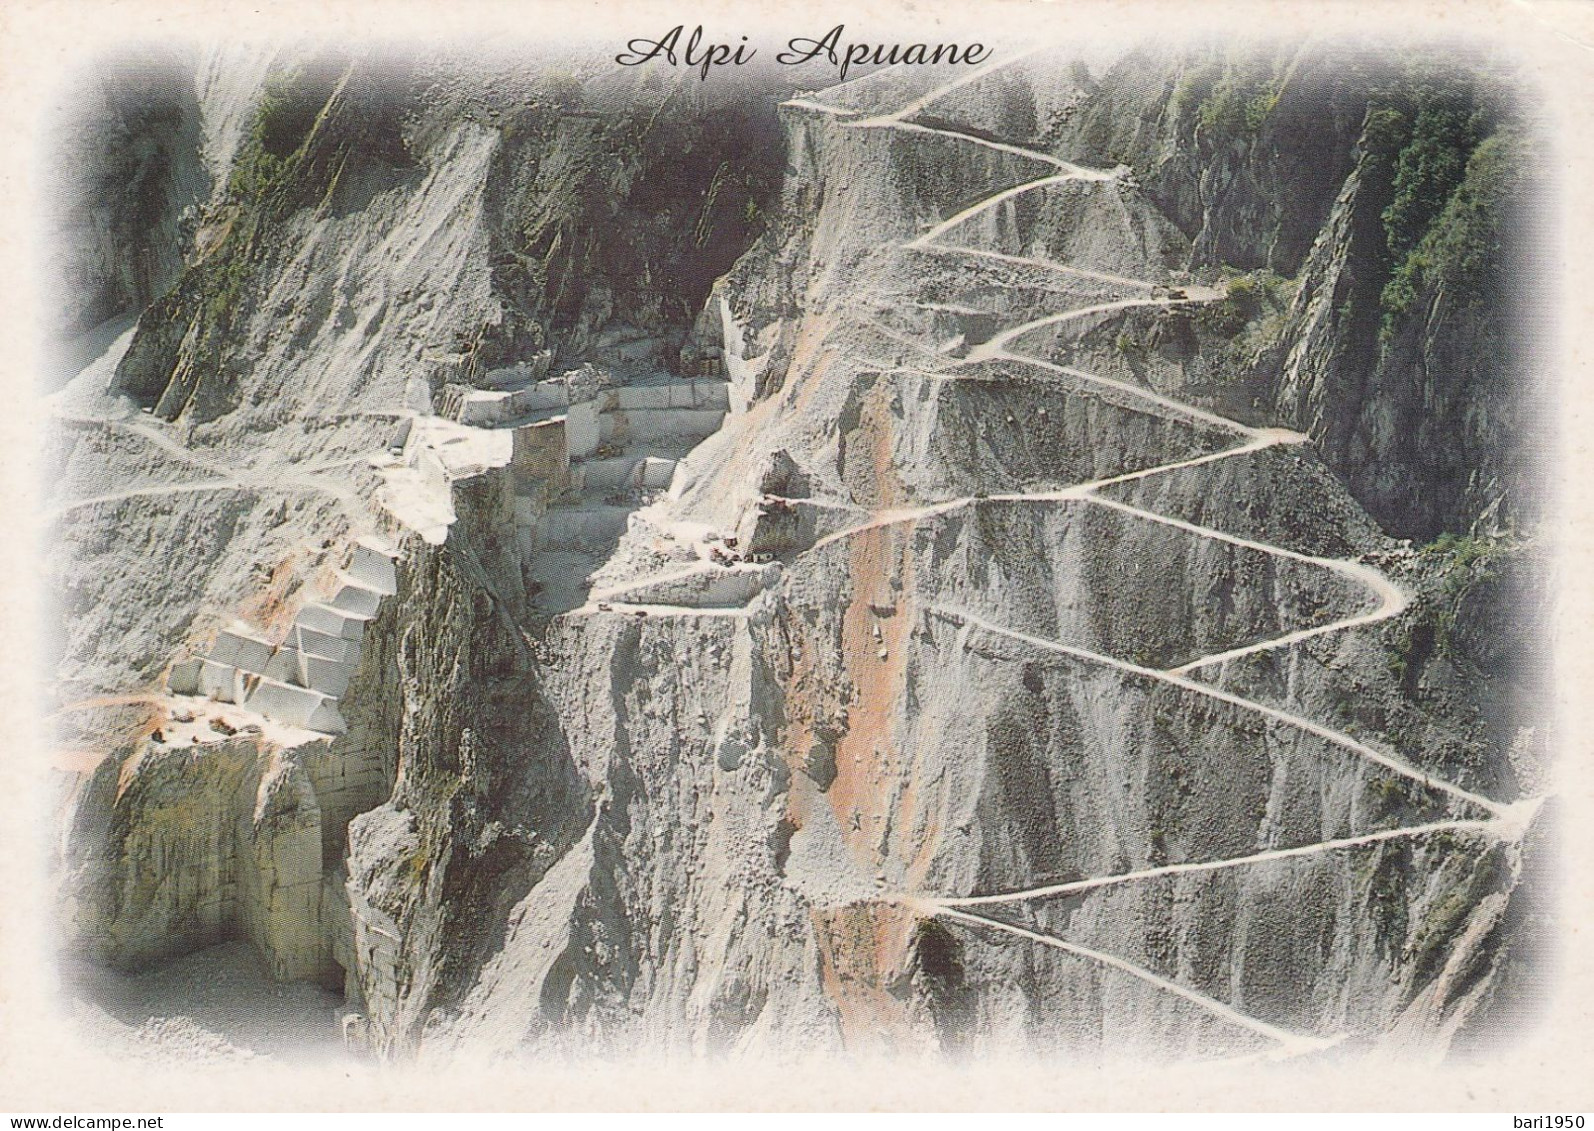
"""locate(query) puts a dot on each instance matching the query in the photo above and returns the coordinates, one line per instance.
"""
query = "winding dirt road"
(1493, 820)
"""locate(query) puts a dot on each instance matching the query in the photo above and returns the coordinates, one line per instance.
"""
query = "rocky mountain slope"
(587, 561)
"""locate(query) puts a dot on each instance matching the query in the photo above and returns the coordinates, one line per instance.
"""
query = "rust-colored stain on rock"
(864, 954)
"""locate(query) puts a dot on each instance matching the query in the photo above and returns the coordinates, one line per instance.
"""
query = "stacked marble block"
(559, 427)
(586, 418)
(299, 681)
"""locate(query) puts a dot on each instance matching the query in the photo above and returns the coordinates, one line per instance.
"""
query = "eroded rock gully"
(920, 648)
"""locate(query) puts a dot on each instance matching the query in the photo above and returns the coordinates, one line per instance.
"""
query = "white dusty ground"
(215, 1005)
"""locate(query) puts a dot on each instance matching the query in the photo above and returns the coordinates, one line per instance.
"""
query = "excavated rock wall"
(174, 849)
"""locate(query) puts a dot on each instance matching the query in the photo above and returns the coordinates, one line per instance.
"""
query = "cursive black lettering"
(704, 56)
(802, 50)
(846, 57)
(639, 51)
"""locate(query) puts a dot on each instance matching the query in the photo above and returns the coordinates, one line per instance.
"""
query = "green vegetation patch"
(1464, 241)
(1442, 922)
(1253, 311)
(1465, 560)
(1459, 561)
(291, 105)
(1229, 100)
(1452, 165)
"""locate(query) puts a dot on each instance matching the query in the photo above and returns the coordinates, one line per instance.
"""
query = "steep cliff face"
(974, 623)
(1398, 196)
(129, 182)
(1414, 377)
(572, 211)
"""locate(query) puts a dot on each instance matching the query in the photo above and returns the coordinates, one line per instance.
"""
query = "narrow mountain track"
(1481, 816)
(308, 479)
(154, 490)
(1289, 1043)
